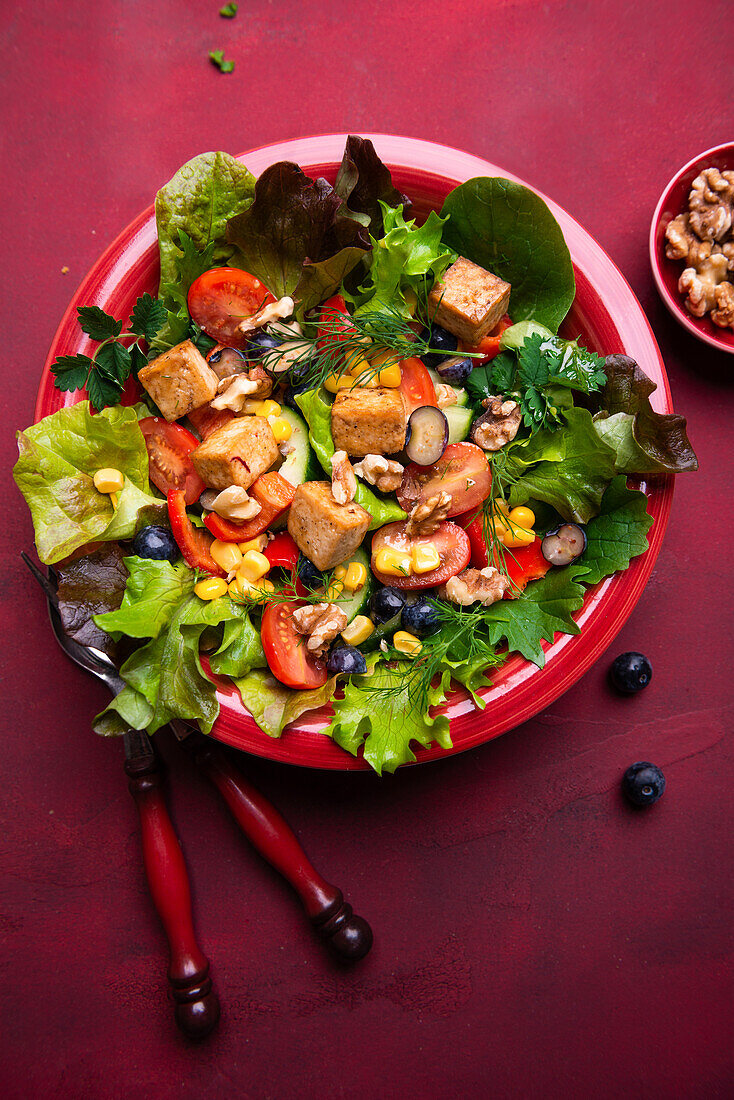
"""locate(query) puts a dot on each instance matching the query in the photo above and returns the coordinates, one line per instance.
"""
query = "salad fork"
(196, 1004)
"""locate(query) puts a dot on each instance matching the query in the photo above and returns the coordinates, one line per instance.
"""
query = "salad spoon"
(196, 1004)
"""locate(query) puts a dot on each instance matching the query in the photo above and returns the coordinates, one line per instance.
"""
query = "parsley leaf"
(98, 324)
(102, 391)
(229, 10)
(147, 317)
(114, 362)
(71, 371)
(545, 609)
(617, 534)
(217, 58)
(533, 363)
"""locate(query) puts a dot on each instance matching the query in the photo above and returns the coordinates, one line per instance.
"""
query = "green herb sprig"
(105, 372)
(217, 58)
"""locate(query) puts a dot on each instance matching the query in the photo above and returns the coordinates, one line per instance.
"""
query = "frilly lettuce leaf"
(153, 592)
(363, 182)
(317, 411)
(297, 236)
(386, 724)
(274, 706)
(645, 441)
(509, 230)
(58, 459)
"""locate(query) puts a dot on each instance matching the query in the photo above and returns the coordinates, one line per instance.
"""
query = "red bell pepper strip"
(272, 492)
(192, 541)
(282, 551)
(489, 347)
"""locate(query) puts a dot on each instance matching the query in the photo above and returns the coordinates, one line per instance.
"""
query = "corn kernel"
(358, 630)
(258, 543)
(501, 506)
(355, 576)
(357, 365)
(425, 558)
(113, 499)
(334, 590)
(253, 566)
(282, 430)
(406, 643)
(269, 408)
(335, 382)
(255, 591)
(389, 376)
(517, 537)
(211, 588)
(253, 407)
(395, 563)
(241, 591)
(108, 481)
(227, 555)
(523, 517)
(340, 572)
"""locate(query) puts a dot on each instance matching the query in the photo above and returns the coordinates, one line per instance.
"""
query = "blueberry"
(261, 343)
(309, 574)
(156, 543)
(630, 672)
(420, 618)
(386, 603)
(643, 783)
(456, 373)
(346, 659)
(298, 382)
(445, 344)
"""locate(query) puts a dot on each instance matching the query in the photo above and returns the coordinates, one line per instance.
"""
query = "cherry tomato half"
(192, 541)
(451, 542)
(206, 419)
(285, 649)
(273, 493)
(489, 347)
(462, 470)
(220, 299)
(416, 385)
(169, 462)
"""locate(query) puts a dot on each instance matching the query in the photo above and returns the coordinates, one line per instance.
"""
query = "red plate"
(673, 201)
(605, 314)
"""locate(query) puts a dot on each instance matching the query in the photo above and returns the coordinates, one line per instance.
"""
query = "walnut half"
(700, 285)
(322, 622)
(498, 425)
(384, 473)
(485, 586)
(723, 315)
(424, 518)
(343, 481)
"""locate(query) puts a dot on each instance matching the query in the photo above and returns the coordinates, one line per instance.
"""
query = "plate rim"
(130, 246)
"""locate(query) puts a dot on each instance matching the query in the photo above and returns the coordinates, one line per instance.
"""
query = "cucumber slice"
(459, 421)
(357, 602)
(462, 397)
(300, 464)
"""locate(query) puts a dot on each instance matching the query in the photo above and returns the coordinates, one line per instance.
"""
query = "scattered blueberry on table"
(643, 783)
(630, 673)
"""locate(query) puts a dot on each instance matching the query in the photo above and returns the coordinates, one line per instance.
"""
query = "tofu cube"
(367, 420)
(470, 301)
(237, 453)
(179, 381)
(326, 532)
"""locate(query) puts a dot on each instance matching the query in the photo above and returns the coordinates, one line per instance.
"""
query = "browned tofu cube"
(470, 301)
(368, 421)
(237, 453)
(179, 381)
(325, 531)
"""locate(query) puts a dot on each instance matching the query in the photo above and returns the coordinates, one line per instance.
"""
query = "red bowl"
(674, 201)
(607, 317)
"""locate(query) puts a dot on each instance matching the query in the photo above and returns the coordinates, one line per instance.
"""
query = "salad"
(341, 457)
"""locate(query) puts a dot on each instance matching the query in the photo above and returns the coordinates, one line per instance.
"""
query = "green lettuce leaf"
(363, 182)
(128, 710)
(153, 592)
(617, 534)
(240, 651)
(88, 586)
(274, 706)
(401, 259)
(317, 411)
(509, 230)
(198, 202)
(377, 713)
(58, 459)
(568, 468)
(297, 236)
(645, 441)
(545, 609)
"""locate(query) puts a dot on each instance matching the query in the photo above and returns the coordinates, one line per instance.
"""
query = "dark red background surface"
(534, 937)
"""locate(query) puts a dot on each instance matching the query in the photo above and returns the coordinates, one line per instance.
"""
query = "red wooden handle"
(197, 1006)
(349, 935)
